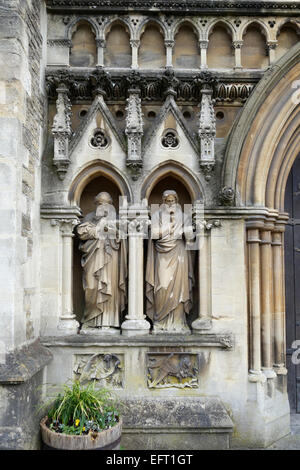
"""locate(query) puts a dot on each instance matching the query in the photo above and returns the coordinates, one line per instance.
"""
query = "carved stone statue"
(169, 273)
(104, 267)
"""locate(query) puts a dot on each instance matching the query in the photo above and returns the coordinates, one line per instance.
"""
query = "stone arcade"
(176, 106)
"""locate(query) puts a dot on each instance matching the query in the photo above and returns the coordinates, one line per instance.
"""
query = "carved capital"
(101, 42)
(203, 44)
(272, 44)
(169, 43)
(237, 44)
(135, 43)
(66, 226)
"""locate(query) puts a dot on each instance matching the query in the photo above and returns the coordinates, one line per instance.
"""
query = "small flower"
(83, 428)
(77, 422)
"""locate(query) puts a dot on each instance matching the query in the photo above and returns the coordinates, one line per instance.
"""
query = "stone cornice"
(237, 87)
(241, 7)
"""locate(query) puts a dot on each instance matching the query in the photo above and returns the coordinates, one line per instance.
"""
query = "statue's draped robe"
(104, 276)
(169, 273)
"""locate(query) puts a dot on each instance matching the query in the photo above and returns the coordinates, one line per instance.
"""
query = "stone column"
(169, 52)
(135, 44)
(101, 44)
(266, 300)
(67, 321)
(237, 45)
(253, 241)
(279, 309)
(203, 53)
(135, 323)
(272, 54)
(204, 322)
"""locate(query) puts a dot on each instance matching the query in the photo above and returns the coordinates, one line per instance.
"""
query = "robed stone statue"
(104, 263)
(169, 272)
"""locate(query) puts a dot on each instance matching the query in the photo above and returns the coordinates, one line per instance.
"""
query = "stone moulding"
(21, 365)
(208, 340)
(191, 6)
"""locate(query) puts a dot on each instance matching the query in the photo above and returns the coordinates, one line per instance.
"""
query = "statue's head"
(103, 198)
(170, 197)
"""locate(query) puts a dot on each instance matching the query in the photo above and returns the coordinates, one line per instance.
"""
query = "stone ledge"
(22, 365)
(184, 413)
(223, 341)
(175, 423)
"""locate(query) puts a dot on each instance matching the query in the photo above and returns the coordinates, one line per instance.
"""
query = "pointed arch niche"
(83, 51)
(118, 50)
(152, 53)
(93, 180)
(288, 36)
(186, 48)
(171, 181)
(189, 190)
(254, 49)
(220, 53)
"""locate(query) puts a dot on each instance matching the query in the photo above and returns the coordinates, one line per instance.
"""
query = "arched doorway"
(292, 280)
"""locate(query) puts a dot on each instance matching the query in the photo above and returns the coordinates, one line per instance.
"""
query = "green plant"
(82, 410)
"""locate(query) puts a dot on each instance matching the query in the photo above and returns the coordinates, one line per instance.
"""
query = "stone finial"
(134, 125)
(61, 130)
(207, 132)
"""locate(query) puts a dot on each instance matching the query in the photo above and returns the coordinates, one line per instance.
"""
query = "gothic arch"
(186, 22)
(161, 27)
(266, 138)
(118, 21)
(171, 168)
(258, 22)
(92, 171)
(94, 26)
(287, 21)
(225, 23)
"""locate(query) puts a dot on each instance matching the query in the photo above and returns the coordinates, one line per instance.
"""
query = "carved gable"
(170, 138)
(98, 138)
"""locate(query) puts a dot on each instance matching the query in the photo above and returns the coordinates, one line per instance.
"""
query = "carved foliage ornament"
(83, 86)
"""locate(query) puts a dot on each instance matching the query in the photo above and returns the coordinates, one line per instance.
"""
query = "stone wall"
(22, 114)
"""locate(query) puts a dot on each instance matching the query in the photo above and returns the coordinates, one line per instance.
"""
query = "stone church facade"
(134, 98)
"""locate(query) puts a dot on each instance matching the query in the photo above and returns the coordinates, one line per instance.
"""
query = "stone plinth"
(176, 423)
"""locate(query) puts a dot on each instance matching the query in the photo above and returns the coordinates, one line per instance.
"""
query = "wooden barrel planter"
(104, 440)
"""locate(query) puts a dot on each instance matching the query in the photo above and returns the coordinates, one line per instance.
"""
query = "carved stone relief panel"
(107, 370)
(172, 370)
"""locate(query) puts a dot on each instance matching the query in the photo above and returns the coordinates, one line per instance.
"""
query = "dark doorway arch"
(292, 281)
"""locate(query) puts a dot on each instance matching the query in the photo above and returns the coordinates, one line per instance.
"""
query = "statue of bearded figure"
(169, 273)
(104, 263)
